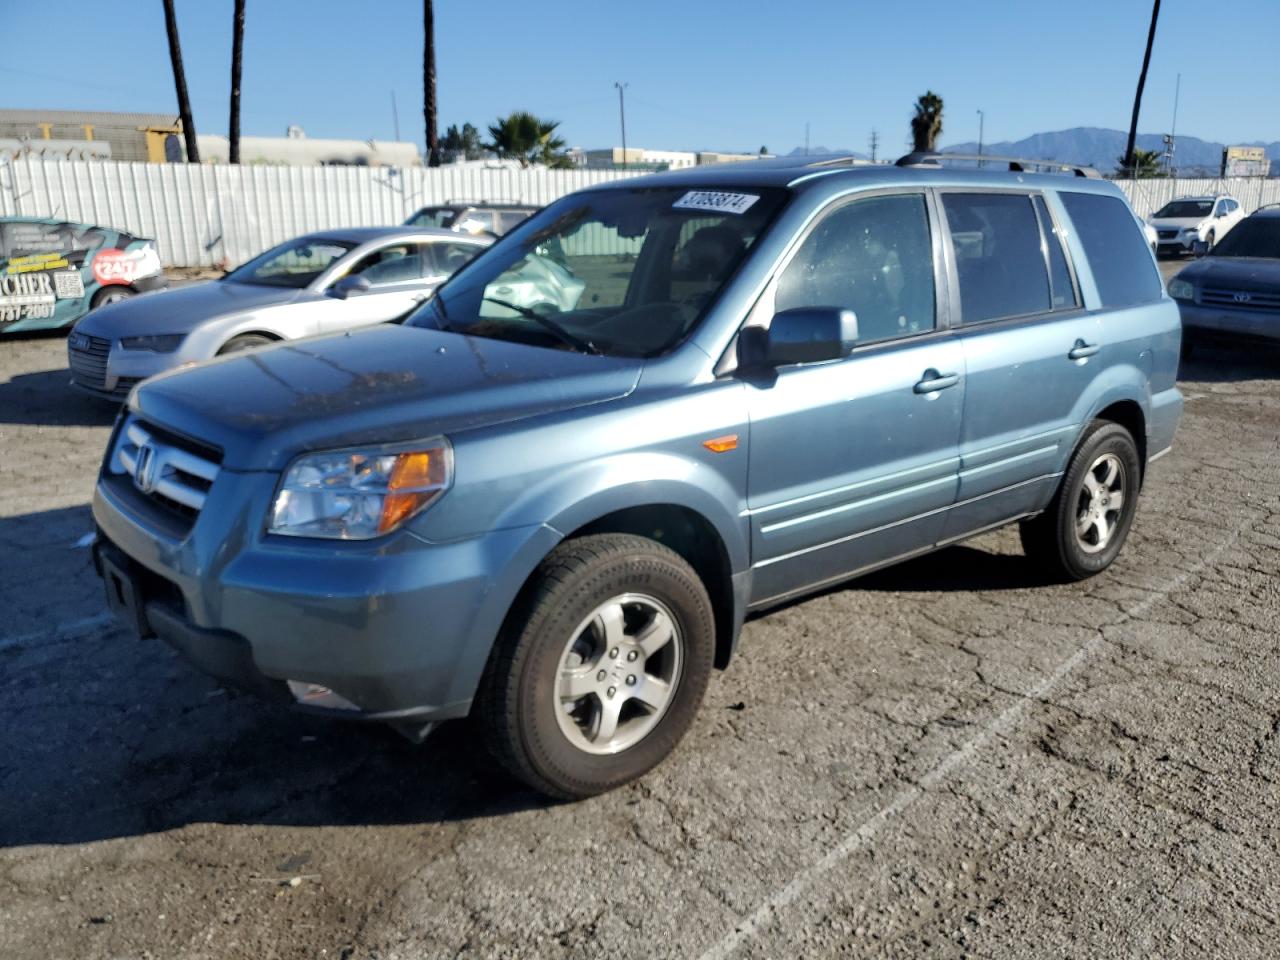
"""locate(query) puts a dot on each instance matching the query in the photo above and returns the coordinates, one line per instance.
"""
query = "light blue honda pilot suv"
(550, 496)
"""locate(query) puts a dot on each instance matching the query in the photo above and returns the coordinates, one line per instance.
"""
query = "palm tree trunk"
(180, 83)
(429, 82)
(1137, 99)
(237, 55)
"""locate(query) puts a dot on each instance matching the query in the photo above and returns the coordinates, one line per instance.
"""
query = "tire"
(111, 294)
(1055, 540)
(1211, 239)
(245, 341)
(570, 644)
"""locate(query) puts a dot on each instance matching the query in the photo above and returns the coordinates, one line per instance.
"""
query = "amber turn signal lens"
(722, 444)
(413, 483)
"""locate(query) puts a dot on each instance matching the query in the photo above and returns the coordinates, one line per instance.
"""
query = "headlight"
(358, 494)
(156, 343)
(1181, 290)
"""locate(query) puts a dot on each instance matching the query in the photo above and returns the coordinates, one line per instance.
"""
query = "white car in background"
(1185, 221)
(315, 284)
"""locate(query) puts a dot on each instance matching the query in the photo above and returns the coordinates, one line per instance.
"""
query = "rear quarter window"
(1115, 247)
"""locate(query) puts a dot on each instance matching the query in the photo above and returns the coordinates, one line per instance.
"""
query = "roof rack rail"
(930, 158)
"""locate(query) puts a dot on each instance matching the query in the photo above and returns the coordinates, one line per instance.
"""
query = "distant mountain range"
(1097, 147)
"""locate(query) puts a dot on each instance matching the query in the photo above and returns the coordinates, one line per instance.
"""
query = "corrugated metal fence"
(1148, 196)
(201, 215)
(204, 214)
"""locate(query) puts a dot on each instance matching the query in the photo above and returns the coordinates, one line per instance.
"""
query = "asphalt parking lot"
(949, 758)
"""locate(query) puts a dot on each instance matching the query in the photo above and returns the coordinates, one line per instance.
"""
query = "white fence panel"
(205, 215)
(1150, 194)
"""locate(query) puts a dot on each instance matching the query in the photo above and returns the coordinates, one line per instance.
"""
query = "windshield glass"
(292, 264)
(1255, 237)
(617, 272)
(1186, 208)
(432, 217)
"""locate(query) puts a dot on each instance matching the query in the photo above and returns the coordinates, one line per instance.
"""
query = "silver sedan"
(316, 284)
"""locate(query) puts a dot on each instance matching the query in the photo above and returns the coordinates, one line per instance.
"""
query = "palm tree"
(1141, 163)
(1129, 158)
(926, 125)
(524, 137)
(237, 52)
(180, 83)
(429, 82)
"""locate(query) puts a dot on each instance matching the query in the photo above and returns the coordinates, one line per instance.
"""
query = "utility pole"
(1173, 130)
(806, 138)
(429, 82)
(395, 116)
(874, 143)
(237, 60)
(180, 83)
(982, 118)
(622, 118)
(1129, 164)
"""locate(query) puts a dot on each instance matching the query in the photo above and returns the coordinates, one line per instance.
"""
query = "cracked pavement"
(949, 758)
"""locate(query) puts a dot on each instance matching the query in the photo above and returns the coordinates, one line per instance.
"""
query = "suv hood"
(1177, 223)
(181, 310)
(1245, 274)
(386, 384)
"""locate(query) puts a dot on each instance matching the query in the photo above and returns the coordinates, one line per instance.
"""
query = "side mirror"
(1200, 247)
(802, 335)
(348, 286)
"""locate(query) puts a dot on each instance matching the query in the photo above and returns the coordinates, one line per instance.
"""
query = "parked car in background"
(1233, 290)
(1188, 220)
(52, 272)
(319, 283)
(491, 218)
(769, 377)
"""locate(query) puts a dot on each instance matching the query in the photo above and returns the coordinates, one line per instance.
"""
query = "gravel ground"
(949, 758)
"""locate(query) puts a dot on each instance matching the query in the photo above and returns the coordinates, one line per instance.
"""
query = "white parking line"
(61, 632)
(867, 830)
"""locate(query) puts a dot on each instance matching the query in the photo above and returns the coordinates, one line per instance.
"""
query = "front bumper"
(400, 627)
(1204, 321)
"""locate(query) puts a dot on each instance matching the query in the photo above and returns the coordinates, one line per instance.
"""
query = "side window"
(999, 255)
(1061, 290)
(872, 256)
(448, 258)
(1115, 247)
(400, 263)
(510, 219)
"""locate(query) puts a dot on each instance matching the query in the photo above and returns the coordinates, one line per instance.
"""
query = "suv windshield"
(1255, 237)
(292, 264)
(432, 217)
(617, 272)
(1186, 208)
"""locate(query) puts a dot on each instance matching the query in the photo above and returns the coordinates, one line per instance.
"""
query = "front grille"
(169, 472)
(1241, 299)
(1167, 234)
(88, 362)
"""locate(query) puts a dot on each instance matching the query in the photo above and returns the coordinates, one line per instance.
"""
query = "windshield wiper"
(586, 346)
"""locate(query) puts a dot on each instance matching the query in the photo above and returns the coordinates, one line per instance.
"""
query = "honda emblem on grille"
(1241, 297)
(145, 468)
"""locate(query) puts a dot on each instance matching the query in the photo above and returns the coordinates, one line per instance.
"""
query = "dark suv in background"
(492, 218)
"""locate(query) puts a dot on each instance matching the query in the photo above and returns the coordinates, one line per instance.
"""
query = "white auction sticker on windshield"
(715, 201)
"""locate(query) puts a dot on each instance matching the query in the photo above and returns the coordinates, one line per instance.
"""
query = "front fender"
(591, 490)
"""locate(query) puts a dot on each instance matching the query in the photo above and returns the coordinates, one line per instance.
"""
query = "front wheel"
(1210, 240)
(601, 668)
(1086, 524)
(111, 294)
(245, 341)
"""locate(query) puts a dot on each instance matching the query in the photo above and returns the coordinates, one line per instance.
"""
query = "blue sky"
(729, 74)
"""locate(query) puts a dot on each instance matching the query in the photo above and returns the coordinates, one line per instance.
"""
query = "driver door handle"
(1082, 350)
(932, 381)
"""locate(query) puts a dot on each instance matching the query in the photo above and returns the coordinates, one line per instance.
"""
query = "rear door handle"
(1082, 350)
(933, 381)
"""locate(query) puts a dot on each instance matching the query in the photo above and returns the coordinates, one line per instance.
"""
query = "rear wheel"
(1086, 525)
(245, 341)
(602, 667)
